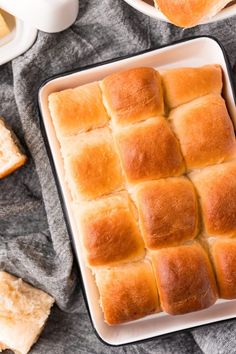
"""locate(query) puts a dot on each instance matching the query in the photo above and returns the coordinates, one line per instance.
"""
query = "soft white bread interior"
(188, 13)
(11, 158)
(23, 313)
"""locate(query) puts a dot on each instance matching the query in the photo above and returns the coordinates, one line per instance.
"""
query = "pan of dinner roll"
(143, 151)
(188, 13)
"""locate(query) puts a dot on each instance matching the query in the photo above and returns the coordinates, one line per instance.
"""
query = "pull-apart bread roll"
(109, 231)
(188, 13)
(224, 259)
(149, 150)
(127, 292)
(11, 157)
(185, 279)
(23, 313)
(205, 131)
(133, 95)
(183, 85)
(216, 186)
(77, 110)
(168, 211)
(92, 165)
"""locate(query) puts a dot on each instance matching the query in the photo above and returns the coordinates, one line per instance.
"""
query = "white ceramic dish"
(46, 15)
(21, 38)
(194, 52)
(151, 11)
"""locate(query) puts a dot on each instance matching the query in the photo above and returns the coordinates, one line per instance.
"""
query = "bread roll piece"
(77, 110)
(216, 186)
(4, 28)
(149, 150)
(224, 258)
(127, 292)
(188, 13)
(11, 157)
(205, 131)
(23, 313)
(109, 231)
(185, 279)
(91, 164)
(183, 85)
(133, 95)
(168, 211)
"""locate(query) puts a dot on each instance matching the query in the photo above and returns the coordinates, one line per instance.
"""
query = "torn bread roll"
(11, 157)
(23, 313)
(189, 13)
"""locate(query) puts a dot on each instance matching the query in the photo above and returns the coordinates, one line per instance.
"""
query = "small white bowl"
(151, 11)
(20, 38)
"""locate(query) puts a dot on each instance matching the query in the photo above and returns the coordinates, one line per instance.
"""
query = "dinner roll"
(188, 13)
(149, 150)
(11, 156)
(216, 186)
(77, 110)
(168, 211)
(133, 95)
(109, 231)
(91, 163)
(205, 131)
(23, 313)
(185, 279)
(127, 292)
(183, 85)
(224, 258)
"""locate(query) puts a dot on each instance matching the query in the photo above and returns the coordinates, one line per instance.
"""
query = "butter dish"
(25, 17)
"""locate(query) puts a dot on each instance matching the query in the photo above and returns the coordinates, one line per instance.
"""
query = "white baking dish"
(195, 52)
(21, 38)
(148, 9)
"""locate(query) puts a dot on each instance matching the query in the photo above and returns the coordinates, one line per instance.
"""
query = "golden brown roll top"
(133, 95)
(77, 110)
(188, 13)
(92, 165)
(205, 131)
(183, 85)
(185, 279)
(216, 186)
(109, 231)
(11, 156)
(127, 292)
(224, 259)
(149, 150)
(168, 211)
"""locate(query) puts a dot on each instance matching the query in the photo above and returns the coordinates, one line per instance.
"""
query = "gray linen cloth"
(34, 243)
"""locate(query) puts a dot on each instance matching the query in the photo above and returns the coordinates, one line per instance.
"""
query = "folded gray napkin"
(34, 243)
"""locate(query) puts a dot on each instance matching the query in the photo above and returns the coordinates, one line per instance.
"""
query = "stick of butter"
(4, 29)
